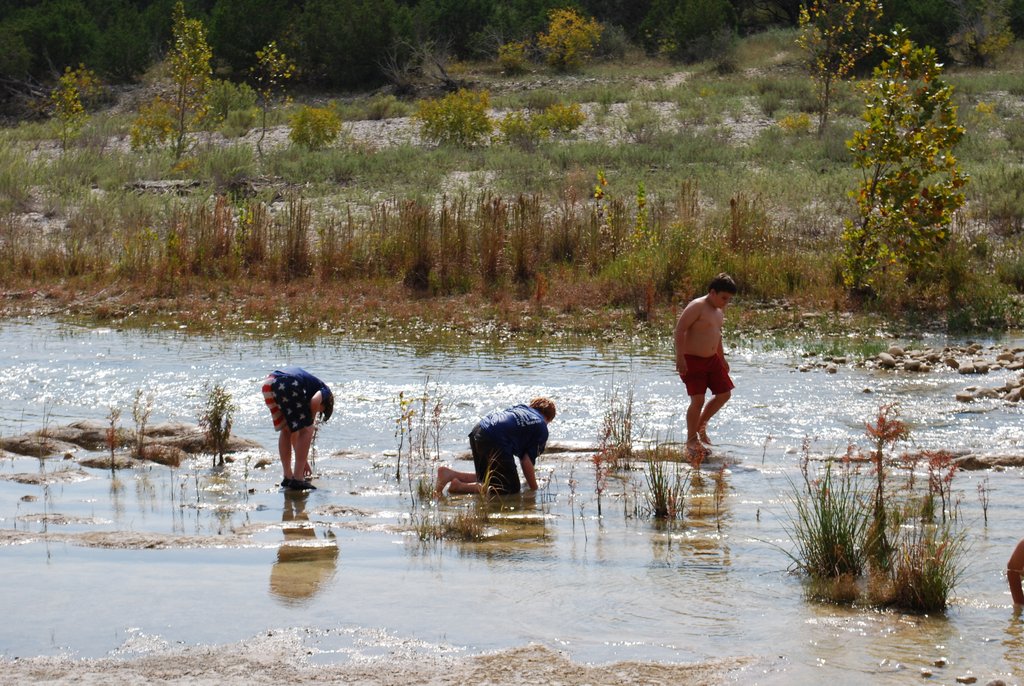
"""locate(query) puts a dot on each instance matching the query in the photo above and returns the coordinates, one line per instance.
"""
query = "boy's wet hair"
(545, 406)
(723, 283)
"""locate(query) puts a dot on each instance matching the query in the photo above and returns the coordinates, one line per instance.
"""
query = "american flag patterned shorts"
(287, 402)
(268, 397)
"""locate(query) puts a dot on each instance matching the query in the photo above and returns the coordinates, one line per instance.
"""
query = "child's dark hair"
(723, 283)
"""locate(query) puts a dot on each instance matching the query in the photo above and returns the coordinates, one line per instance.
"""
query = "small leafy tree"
(459, 118)
(273, 68)
(186, 103)
(142, 408)
(570, 40)
(190, 72)
(835, 34)
(216, 420)
(74, 86)
(911, 182)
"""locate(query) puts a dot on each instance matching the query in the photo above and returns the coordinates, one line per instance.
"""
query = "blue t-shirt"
(520, 430)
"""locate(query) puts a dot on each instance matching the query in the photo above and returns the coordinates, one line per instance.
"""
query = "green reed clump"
(926, 567)
(666, 487)
(830, 522)
(467, 524)
(884, 526)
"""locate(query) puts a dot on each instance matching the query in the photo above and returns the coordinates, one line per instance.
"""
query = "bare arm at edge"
(531, 476)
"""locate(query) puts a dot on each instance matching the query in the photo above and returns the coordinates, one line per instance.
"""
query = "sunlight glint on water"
(616, 588)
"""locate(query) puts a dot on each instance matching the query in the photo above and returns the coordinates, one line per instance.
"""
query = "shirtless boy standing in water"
(700, 358)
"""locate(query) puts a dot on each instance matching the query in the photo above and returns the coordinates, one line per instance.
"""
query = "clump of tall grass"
(464, 525)
(925, 569)
(617, 427)
(666, 486)
(830, 523)
(878, 529)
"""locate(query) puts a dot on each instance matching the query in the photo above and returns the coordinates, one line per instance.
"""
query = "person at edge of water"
(295, 398)
(1014, 570)
(519, 431)
(700, 359)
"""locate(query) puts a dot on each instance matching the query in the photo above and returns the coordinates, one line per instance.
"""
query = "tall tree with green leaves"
(273, 68)
(835, 34)
(911, 182)
(190, 73)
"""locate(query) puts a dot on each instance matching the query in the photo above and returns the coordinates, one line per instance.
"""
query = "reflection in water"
(514, 527)
(305, 562)
(1013, 644)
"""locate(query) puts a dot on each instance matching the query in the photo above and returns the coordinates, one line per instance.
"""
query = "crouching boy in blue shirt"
(520, 431)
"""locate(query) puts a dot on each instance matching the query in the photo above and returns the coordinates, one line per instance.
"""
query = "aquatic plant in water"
(845, 528)
(216, 420)
(666, 492)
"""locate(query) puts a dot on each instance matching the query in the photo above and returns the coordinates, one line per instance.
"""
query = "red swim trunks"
(703, 373)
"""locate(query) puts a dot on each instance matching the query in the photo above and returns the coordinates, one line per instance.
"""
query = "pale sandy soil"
(270, 659)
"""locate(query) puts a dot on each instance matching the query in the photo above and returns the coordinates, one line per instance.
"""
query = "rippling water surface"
(342, 564)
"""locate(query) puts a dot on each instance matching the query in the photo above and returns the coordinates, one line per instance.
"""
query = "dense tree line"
(356, 43)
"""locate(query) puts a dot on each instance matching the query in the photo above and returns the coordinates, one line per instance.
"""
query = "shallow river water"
(235, 557)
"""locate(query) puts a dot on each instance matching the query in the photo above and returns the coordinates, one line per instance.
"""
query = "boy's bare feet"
(444, 475)
(694, 448)
(702, 434)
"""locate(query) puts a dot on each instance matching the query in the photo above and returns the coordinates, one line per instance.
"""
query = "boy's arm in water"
(528, 471)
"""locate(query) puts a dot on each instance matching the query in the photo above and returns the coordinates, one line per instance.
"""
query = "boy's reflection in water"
(305, 561)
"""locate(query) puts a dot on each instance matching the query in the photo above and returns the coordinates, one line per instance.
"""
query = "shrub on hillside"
(512, 57)
(562, 119)
(458, 118)
(570, 40)
(522, 130)
(226, 97)
(314, 127)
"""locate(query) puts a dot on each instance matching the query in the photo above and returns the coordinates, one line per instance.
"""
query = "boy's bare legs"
(693, 423)
(284, 450)
(461, 482)
(301, 441)
(709, 411)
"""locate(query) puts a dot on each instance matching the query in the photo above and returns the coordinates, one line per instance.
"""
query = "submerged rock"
(168, 443)
(977, 461)
(120, 461)
(36, 444)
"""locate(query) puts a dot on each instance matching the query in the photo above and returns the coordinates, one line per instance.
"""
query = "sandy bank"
(270, 659)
